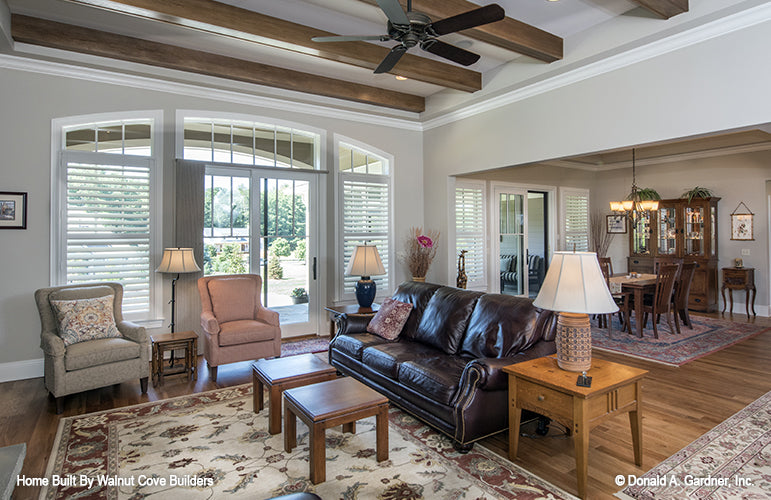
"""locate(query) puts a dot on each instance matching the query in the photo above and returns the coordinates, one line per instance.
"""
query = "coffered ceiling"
(268, 42)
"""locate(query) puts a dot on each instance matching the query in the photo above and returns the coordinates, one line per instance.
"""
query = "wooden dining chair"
(682, 290)
(622, 300)
(661, 301)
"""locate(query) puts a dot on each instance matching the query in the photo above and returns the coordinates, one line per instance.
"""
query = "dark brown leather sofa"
(446, 366)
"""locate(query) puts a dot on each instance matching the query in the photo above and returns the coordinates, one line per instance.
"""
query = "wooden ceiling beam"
(222, 19)
(507, 33)
(664, 8)
(99, 43)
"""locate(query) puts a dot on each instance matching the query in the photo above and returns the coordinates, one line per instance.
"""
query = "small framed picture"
(616, 224)
(741, 227)
(13, 210)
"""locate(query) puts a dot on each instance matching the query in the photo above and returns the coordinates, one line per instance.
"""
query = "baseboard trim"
(740, 308)
(21, 370)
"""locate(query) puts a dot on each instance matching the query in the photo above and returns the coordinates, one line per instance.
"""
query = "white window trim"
(564, 192)
(339, 294)
(58, 157)
(452, 265)
(183, 114)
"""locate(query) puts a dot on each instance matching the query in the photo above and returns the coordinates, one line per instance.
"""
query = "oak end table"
(539, 385)
(163, 342)
(280, 374)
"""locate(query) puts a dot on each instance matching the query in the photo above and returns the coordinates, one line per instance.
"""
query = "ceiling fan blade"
(477, 17)
(351, 38)
(451, 52)
(394, 11)
(391, 59)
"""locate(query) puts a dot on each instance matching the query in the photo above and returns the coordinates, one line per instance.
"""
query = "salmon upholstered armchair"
(86, 342)
(236, 325)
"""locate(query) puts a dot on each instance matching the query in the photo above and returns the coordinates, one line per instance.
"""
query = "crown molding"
(203, 91)
(695, 155)
(702, 33)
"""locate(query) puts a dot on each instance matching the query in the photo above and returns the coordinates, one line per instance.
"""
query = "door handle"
(314, 268)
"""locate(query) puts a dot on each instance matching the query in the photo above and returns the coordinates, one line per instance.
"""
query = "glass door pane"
(285, 263)
(667, 231)
(694, 231)
(512, 243)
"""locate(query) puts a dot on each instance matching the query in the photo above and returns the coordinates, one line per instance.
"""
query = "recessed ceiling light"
(400, 77)
(552, 0)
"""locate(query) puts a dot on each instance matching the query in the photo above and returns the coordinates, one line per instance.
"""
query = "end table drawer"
(545, 401)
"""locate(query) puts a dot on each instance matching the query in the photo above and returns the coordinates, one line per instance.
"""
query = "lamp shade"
(178, 260)
(575, 284)
(365, 261)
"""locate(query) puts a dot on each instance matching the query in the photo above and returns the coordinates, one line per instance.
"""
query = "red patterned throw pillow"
(390, 319)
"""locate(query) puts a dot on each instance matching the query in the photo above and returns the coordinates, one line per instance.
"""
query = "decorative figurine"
(462, 279)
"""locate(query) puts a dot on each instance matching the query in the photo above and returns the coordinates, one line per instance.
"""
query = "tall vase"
(419, 279)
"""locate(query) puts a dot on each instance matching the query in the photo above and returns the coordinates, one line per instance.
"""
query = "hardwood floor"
(679, 405)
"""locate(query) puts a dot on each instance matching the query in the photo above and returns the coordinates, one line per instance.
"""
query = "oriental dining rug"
(212, 445)
(707, 336)
(732, 461)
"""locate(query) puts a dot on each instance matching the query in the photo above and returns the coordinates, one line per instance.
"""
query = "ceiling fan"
(413, 28)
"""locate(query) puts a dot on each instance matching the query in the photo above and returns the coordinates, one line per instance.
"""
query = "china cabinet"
(680, 230)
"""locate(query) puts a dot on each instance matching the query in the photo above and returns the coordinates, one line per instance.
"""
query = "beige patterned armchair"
(236, 326)
(90, 364)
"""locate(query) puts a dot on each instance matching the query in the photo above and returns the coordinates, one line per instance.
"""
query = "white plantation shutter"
(366, 219)
(470, 230)
(107, 228)
(575, 219)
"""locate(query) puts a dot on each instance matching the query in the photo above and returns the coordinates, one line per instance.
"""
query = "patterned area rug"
(212, 445)
(733, 460)
(708, 335)
(318, 344)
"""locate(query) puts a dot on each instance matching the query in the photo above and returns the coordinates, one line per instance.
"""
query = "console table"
(539, 385)
(739, 278)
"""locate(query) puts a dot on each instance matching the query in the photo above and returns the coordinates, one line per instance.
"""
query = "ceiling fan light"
(400, 78)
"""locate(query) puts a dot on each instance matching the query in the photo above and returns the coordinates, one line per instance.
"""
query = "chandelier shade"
(633, 203)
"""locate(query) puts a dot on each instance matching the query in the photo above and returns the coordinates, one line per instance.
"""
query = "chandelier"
(634, 203)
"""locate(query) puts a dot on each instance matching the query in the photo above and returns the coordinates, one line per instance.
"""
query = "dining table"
(639, 284)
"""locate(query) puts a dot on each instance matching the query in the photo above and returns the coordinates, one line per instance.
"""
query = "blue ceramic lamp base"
(365, 291)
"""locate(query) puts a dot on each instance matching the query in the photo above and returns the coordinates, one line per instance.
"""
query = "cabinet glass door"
(641, 233)
(694, 230)
(667, 217)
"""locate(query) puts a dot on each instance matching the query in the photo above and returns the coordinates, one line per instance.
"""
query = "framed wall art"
(616, 224)
(741, 224)
(13, 210)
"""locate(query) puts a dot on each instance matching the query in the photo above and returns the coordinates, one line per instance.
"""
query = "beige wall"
(29, 101)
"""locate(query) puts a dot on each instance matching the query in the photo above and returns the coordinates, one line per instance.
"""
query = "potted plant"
(697, 192)
(299, 296)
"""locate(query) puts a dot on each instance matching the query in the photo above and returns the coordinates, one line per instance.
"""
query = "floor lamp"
(177, 261)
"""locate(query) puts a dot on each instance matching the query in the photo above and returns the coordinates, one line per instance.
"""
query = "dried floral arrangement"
(601, 239)
(420, 250)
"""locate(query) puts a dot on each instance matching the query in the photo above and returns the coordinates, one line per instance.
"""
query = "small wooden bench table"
(327, 404)
(163, 342)
(539, 385)
(281, 374)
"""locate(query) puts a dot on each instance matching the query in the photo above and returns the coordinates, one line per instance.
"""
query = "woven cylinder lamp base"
(574, 342)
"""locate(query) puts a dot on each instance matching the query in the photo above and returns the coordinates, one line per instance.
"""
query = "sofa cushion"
(353, 344)
(500, 326)
(85, 319)
(386, 358)
(417, 294)
(445, 318)
(245, 331)
(100, 352)
(437, 378)
(233, 299)
(390, 319)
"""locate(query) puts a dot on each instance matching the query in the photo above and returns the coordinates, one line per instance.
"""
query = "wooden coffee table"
(327, 404)
(539, 385)
(281, 374)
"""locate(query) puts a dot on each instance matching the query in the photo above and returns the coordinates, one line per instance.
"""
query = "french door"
(510, 245)
(266, 223)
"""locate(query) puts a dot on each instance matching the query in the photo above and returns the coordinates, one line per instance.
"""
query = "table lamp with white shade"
(176, 261)
(365, 262)
(574, 287)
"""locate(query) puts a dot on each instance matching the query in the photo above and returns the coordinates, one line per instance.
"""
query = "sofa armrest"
(52, 345)
(489, 371)
(209, 323)
(268, 316)
(352, 324)
(133, 331)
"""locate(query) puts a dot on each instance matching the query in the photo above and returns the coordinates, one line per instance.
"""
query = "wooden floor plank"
(679, 405)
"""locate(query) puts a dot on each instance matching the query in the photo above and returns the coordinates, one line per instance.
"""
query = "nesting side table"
(163, 342)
